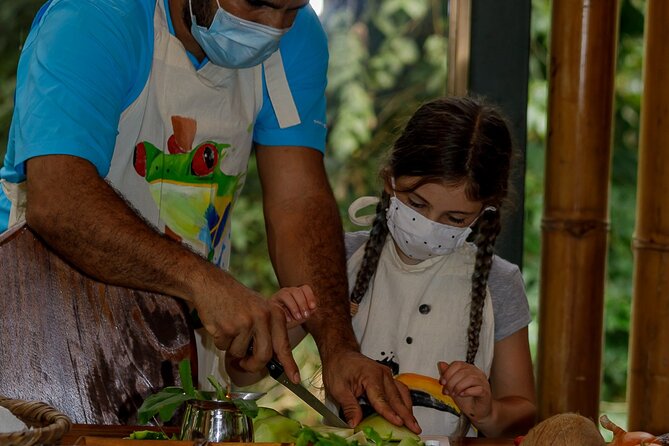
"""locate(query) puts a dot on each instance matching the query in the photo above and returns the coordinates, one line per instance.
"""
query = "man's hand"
(239, 318)
(360, 376)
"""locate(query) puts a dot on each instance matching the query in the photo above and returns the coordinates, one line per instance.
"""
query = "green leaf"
(148, 435)
(306, 437)
(163, 404)
(221, 394)
(186, 376)
(373, 435)
(248, 407)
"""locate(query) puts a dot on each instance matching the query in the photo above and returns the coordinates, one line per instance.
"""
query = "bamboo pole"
(575, 221)
(459, 46)
(648, 380)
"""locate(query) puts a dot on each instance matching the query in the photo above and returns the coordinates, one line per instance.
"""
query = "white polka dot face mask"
(419, 237)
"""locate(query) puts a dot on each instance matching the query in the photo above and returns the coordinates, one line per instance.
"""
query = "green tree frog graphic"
(193, 194)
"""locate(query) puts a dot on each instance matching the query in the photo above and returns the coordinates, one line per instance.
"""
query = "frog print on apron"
(183, 146)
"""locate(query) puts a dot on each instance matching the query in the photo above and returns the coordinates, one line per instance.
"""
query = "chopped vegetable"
(148, 435)
(358, 437)
(409, 442)
(275, 429)
(385, 429)
(341, 431)
(264, 412)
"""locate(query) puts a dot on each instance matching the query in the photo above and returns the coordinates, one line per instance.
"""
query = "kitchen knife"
(276, 371)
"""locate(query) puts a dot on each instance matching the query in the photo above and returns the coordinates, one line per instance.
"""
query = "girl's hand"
(469, 388)
(298, 303)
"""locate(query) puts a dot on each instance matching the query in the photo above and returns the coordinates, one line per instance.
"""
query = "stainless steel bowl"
(215, 421)
(249, 396)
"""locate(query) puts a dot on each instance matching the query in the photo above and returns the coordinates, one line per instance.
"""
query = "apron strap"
(279, 92)
(17, 194)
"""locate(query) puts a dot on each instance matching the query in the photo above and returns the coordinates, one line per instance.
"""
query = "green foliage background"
(388, 56)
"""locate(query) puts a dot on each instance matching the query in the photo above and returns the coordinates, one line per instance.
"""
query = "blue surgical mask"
(232, 42)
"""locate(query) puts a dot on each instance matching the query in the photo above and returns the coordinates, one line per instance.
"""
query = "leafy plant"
(310, 437)
(165, 403)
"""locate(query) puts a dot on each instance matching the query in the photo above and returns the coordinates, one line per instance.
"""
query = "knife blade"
(277, 372)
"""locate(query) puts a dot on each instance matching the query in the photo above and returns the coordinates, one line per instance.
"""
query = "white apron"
(413, 316)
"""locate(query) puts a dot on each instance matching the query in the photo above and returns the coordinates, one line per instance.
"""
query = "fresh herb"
(309, 437)
(165, 403)
(375, 437)
(148, 435)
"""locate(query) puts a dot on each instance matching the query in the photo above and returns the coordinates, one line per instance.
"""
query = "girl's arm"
(512, 384)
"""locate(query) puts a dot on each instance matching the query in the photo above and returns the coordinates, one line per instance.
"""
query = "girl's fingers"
(305, 299)
(460, 377)
(284, 297)
(442, 366)
(297, 302)
(311, 297)
(466, 383)
(474, 392)
(451, 370)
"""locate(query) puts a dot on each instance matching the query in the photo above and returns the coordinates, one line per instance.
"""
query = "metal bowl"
(215, 421)
(234, 395)
(249, 396)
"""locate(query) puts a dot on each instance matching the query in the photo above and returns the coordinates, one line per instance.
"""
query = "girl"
(428, 296)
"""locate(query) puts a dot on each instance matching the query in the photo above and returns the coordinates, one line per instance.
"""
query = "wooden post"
(459, 36)
(498, 71)
(648, 379)
(575, 222)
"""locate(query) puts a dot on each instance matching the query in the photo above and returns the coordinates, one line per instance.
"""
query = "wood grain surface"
(90, 350)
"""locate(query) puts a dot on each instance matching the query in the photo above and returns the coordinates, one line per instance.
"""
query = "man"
(136, 117)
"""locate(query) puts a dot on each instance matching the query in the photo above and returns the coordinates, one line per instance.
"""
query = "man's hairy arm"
(83, 219)
(306, 245)
(305, 239)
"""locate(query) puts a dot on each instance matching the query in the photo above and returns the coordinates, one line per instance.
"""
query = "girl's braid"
(373, 248)
(488, 228)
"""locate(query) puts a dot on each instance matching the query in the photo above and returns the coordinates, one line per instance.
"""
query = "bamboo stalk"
(575, 222)
(459, 46)
(648, 379)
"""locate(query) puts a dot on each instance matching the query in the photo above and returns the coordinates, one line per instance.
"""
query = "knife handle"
(275, 368)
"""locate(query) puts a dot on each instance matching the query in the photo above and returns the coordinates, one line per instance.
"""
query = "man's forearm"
(314, 254)
(307, 246)
(326, 258)
(82, 218)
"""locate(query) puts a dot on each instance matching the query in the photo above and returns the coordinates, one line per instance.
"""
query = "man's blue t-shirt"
(84, 62)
